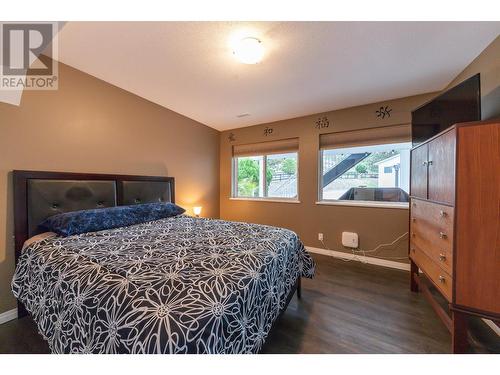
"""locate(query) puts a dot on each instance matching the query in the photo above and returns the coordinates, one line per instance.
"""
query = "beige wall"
(374, 225)
(488, 64)
(91, 126)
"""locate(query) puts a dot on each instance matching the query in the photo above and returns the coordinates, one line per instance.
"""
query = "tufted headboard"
(38, 195)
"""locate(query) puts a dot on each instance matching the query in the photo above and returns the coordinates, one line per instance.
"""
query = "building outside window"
(368, 165)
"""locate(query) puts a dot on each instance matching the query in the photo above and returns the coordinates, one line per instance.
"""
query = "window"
(272, 173)
(249, 174)
(366, 173)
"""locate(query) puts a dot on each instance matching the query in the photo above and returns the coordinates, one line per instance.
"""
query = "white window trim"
(234, 183)
(372, 204)
(272, 200)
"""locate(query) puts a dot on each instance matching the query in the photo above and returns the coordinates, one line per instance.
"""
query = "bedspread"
(176, 285)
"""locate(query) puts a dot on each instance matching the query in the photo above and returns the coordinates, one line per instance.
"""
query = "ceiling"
(308, 67)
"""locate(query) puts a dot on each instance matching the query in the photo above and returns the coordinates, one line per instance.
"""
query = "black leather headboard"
(139, 192)
(51, 197)
(38, 195)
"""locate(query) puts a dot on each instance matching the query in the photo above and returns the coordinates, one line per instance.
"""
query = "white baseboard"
(369, 260)
(8, 316)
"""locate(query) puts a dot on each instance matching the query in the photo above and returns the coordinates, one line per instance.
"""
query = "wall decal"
(231, 137)
(268, 131)
(384, 112)
(322, 123)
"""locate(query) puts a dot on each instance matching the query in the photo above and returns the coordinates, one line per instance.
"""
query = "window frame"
(265, 198)
(353, 203)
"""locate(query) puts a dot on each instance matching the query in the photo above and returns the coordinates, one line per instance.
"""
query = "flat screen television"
(461, 103)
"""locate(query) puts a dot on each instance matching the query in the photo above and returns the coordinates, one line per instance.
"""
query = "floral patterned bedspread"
(176, 285)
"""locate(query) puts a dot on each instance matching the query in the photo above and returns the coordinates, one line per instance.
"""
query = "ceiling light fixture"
(249, 50)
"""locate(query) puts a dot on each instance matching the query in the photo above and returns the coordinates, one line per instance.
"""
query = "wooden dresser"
(455, 224)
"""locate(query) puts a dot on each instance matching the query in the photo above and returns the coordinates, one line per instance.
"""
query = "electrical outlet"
(320, 236)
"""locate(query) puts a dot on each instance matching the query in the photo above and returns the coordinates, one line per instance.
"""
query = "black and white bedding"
(176, 285)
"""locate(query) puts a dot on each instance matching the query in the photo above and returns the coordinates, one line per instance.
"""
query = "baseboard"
(8, 316)
(365, 259)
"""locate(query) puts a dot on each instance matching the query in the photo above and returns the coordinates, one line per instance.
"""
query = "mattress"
(176, 285)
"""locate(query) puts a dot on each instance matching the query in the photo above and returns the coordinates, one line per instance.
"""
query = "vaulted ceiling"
(308, 67)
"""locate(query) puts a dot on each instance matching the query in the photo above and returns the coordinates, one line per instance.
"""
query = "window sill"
(397, 205)
(272, 200)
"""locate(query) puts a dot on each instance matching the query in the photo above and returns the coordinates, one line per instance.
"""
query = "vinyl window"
(267, 170)
(371, 165)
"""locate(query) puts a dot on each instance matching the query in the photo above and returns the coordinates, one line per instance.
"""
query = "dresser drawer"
(431, 230)
(433, 215)
(442, 255)
(441, 279)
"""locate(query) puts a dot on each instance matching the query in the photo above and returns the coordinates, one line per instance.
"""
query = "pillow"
(77, 222)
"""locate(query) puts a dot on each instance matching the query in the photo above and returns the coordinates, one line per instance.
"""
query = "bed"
(175, 285)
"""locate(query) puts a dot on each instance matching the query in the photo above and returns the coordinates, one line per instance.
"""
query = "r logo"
(22, 44)
(28, 56)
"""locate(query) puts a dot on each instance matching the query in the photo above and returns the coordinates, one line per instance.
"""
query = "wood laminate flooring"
(349, 307)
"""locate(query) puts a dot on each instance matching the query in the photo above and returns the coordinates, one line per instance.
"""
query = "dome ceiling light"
(249, 50)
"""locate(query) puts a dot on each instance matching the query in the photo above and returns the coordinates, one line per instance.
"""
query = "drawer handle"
(442, 213)
(442, 257)
(413, 219)
(442, 235)
(429, 162)
(413, 249)
(442, 279)
(424, 163)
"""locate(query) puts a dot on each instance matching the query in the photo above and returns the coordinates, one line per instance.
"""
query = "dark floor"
(349, 307)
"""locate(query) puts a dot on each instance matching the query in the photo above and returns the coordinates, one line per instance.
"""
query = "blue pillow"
(77, 222)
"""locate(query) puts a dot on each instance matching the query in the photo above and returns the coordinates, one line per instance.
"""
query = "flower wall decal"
(384, 112)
